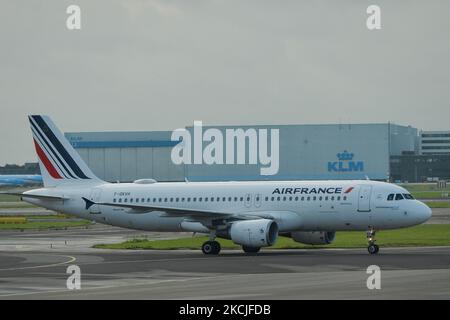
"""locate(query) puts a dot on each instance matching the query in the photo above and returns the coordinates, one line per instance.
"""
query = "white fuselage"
(294, 205)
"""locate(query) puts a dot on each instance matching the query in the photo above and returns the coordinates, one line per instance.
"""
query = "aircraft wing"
(170, 211)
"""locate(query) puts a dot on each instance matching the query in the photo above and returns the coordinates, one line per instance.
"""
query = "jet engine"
(313, 237)
(254, 233)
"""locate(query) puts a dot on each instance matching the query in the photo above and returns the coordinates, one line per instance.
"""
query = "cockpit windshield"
(399, 196)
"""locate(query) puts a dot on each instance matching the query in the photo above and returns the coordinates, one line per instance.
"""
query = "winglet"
(89, 203)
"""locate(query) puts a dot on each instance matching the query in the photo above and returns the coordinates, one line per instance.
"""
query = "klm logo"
(345, 163)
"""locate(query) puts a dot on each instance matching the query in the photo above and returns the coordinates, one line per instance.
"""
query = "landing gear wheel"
(373, 248)
(251, 249)
(211, 247)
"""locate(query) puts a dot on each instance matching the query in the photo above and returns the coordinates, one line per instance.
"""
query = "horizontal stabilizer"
(34, 196)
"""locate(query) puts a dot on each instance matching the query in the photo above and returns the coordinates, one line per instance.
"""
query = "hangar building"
(325, 151)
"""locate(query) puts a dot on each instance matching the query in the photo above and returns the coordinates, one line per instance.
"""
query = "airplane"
(250, 213)
(20, 180)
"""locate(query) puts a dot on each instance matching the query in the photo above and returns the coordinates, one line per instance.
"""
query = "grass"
(421, 187)
(38, 216)
(8, 198)
(16, 205)
(41, 225)
(426, 190)
(423, 235)
(438, 204)
(430, 194)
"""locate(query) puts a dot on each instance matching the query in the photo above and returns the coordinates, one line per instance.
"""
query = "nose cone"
(423, 212)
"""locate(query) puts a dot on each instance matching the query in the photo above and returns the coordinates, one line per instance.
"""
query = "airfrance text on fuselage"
(331, 190)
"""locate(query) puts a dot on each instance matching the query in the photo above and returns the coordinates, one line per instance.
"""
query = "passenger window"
(114, 200)
(137, 200)
(398, 196)
(131, 200)
(314, 198)
(267, 199)
(125, 200)
(344, 198)
(143, 200)
(338, 198)
(390, 197)
(272, 199)
(296, 198)
(320, 198)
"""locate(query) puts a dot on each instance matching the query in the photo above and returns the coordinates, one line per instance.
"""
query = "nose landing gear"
(372, 247)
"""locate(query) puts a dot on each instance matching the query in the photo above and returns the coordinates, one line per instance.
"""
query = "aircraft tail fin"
(58, 160)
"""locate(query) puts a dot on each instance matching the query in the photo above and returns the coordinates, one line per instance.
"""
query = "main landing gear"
(211, 246)
(372, 247)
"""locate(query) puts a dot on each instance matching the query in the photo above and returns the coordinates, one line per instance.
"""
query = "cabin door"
(364, 194)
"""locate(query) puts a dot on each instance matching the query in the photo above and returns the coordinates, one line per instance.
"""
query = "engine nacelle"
(313, 237)
(254, 233)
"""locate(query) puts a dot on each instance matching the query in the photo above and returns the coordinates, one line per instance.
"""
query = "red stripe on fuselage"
(48, 165)
(349, 190)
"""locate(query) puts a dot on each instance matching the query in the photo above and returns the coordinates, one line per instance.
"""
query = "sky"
(143, 65)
